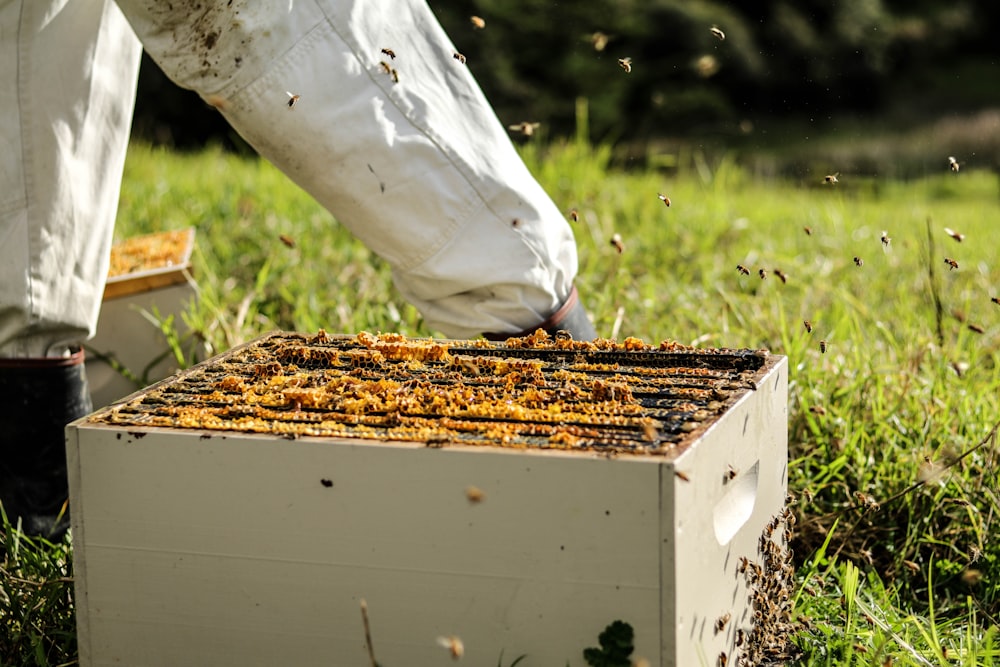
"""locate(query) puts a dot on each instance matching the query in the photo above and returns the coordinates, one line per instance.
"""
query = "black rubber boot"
(38, 397)
(571, 318)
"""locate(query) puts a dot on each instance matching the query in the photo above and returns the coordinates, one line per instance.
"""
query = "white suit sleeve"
(420, 170)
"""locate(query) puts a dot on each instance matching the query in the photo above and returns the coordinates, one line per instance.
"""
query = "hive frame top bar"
(525, 393)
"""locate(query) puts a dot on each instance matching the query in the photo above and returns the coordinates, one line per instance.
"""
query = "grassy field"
(892, 429)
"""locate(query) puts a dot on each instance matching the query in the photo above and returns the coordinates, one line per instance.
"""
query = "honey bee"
(649, 431)
(742, 564)
(292, 99)
(515, 223)
(664, 198)
(616, 242)
(722, 621)
(723, 659)
(525, 128)
(478, 22)
(860, 649)
(718, 34)
(955, 235)
(742, 269)
(395, 75)
(953, 163)
(808, 325)
(782, 276)
(731, 473)
(599, 41)
(859, 262)
(326, 482)
(390, 53)
(830, 179)
(287, 240)
(808, 230)
(625, 64)
(975, 327)
(996, 300)
(817, 410)
(822, 346)
(683, 476)
(385, 67)
(885, 239)
(574, 215)
(762, 273)
(972, 577)
(474, 494)
(454, 645)
(741, 637)
(459, 57)
(951, 263)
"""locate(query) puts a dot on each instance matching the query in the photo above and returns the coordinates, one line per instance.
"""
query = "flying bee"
(955, 235)
(951, 263)
(616, 241)
(664, 198)
(730, 473)
(454, 645)
(515, 223)
(625, 64)
(474, 494)
(808, 325)
(292, 99)
(287, 240)
(953, 163)
(385, 67)
(782, 276)
(830, 179)
(477, 22)
(683, 476)
(975, 327)
(598, 40)
(762, 273)
(996, 300)
(859, 262)
(722, 621)
(808, 230)
(574, 215)
(718, 34)
(459, 57)
(885, 239)
(818, 410)
(822, 346)
(390, 53)
(525, 128)
(742, 269)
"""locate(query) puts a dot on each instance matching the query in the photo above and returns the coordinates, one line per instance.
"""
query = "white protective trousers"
(420, 170)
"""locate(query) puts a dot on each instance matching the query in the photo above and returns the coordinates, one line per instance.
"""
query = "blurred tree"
(779, 58)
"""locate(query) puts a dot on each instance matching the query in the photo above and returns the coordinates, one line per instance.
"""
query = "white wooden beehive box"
(200, 546)
(150, 278)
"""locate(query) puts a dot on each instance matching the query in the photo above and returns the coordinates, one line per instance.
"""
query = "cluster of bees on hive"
(769, 583)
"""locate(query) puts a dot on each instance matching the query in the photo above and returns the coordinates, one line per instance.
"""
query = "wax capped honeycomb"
(532, 392)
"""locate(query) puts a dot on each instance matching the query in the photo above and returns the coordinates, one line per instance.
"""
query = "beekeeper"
(408, 155)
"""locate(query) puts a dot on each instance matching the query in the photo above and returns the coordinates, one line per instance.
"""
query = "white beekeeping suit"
(415, 164)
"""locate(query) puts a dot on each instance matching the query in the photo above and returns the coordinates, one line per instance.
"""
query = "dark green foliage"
(616, 646)
(37, 621)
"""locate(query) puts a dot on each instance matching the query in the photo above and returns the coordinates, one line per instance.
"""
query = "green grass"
(900, 408)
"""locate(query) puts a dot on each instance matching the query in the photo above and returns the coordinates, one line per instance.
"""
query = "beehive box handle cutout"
(735, 508)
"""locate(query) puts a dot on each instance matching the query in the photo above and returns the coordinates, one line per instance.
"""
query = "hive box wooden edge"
(209, 548)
